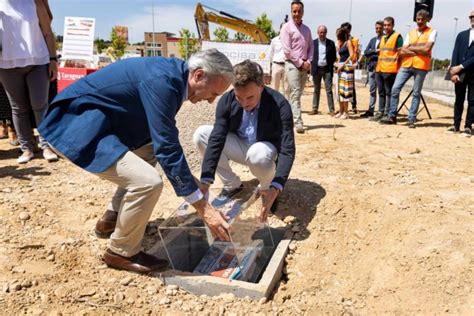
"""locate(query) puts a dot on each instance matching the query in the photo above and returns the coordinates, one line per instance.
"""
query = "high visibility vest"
(419, 61)
(355, 46)
(388, 56)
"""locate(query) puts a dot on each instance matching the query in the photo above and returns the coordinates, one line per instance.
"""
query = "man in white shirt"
(277, 56)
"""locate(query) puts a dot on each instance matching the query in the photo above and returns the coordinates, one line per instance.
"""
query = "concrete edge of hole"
(214, 286)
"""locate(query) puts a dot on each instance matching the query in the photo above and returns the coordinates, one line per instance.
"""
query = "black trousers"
(385, 83)
(460, 89)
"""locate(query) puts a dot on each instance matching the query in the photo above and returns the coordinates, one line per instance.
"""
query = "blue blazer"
(371, 54)
(119, 108)
(275, 125)
(463, 53)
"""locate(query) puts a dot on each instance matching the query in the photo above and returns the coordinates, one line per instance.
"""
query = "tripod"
(422, 99)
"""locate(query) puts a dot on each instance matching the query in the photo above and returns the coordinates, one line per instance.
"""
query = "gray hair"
(423, 13)
(324, 27)
(213, 62)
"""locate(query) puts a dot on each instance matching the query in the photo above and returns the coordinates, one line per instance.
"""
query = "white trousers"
(259, 157)
(279, 78)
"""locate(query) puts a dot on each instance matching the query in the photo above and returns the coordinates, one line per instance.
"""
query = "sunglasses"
(471, 17)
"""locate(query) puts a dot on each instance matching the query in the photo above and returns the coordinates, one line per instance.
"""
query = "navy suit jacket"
(371, 53)
(330, 56)
(119, 108)
(275, 125)
(463, 53)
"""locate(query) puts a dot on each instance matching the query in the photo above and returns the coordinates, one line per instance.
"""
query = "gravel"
(189, 118)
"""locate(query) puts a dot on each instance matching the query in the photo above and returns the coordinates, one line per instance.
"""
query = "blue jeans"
(402, 77)
(372, 90)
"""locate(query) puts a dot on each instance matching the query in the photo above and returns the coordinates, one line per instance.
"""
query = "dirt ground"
(386, 214)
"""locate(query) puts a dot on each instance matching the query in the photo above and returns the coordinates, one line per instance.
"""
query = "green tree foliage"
(118, 44)
(241, 37)
(441, 64)
(265, 24)
(221, 34)
(100, 45)
(188, 44)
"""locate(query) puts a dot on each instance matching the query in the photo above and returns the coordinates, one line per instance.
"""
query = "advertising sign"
(78, 42)
(238, 52)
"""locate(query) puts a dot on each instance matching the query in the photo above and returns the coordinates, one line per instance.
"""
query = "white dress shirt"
(276, 50)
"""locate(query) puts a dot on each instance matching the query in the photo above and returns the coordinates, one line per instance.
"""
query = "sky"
(171, 16)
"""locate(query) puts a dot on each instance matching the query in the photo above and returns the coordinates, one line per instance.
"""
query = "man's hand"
(204, 187)
(214, 219)
(455, 79)
(268, 197)
(455, 70)
(305, 66)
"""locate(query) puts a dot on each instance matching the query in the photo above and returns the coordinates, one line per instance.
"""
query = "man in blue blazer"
(322, 67)
(118, 123)
(253, 127)
(371, 54)
(462, 74)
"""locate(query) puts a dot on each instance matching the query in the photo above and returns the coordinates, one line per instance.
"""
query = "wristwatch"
(55, 58)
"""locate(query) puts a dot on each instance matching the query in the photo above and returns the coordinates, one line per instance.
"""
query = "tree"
(241, 37)
(441, 64)
(118, 44)
(188, 43)
(265, 24)
(221, 34)
(99, 45)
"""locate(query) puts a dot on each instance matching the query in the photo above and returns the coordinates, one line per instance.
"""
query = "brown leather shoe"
(140, 263)
(106, 224)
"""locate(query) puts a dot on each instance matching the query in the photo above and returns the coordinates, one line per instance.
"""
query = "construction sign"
(238, 52)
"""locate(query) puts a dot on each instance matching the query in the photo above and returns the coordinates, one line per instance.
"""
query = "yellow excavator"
(226, 20)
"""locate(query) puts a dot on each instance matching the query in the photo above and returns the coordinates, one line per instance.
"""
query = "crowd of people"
(93, 123)
(391, 61)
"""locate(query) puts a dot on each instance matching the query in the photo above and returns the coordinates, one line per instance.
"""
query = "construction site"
(374, 218)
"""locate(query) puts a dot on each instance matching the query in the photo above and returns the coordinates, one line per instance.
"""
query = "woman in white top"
(28, 62)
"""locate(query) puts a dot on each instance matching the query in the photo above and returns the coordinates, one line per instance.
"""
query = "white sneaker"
(49, 155)
(25, 157)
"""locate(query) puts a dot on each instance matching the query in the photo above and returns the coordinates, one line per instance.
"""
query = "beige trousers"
(139, 186)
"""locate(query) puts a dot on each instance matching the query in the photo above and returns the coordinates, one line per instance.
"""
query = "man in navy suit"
(371, 53)
(462, 74)
(322, 67)
(118, 123)
(253, 127)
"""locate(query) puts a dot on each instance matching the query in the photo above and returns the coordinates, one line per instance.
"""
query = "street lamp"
(455, 26)
(350, 12)
(153, 27)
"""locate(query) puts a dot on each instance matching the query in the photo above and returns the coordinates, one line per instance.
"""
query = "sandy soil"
(386, 215)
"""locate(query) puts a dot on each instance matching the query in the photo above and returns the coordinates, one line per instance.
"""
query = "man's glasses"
(471, 17)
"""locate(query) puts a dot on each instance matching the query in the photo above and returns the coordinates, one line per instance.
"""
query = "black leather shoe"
(388, 120)
(140, 263)
(106, 224)
(367, 114)
(225, 196)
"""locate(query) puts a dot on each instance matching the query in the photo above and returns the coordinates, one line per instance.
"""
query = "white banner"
(238, 52)
(78, 41)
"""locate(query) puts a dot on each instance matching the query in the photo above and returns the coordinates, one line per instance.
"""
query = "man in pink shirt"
(297, 45)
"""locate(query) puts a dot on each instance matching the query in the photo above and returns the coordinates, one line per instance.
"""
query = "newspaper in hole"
(228, 261)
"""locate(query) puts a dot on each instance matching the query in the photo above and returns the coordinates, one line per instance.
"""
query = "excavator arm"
(229, 21)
